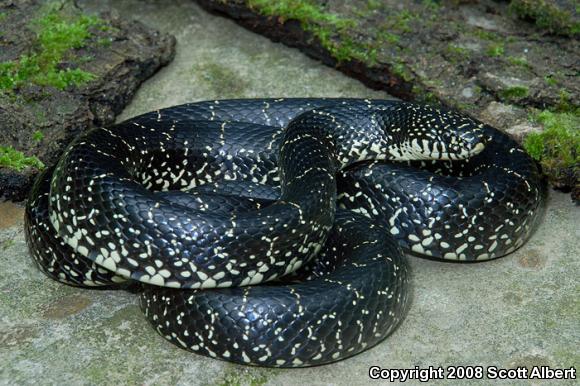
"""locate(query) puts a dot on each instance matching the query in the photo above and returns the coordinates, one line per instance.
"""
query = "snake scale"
(314, 198)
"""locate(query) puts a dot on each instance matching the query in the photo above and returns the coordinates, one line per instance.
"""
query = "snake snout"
(473, 141)
(462, 143)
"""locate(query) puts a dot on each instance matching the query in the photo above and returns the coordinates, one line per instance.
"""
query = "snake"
(272, 232)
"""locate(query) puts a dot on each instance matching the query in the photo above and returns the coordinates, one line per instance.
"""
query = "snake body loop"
(209, 199)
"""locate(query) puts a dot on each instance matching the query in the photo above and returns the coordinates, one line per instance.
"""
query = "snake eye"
(465, 141)
(473, 139)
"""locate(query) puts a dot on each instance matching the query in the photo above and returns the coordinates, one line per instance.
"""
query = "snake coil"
(313, 197)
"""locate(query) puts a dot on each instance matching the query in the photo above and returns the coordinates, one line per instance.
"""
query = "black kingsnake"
(233, 193)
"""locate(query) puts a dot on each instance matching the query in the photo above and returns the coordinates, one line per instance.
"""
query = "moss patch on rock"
(238, 378)
(495, 49)
(557, 148)
(547, 15)
(416, 48)
(16, 160)
(220, 79)
(514, 92)
(50, 61)
(330, 28)
(63, 71)
(338, 32)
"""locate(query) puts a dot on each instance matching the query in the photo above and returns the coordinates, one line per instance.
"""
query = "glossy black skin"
(500, 187)
(52, 255)
(427, 202)
(354, 297)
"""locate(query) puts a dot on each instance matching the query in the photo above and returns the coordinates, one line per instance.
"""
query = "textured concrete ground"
(521, 310)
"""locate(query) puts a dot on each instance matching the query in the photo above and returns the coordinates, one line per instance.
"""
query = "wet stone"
(529, 361)
(67, 306)
(10, 214)
(533, 259)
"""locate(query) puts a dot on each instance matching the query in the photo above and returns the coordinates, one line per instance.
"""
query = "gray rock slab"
(217, 59)
(520, 310)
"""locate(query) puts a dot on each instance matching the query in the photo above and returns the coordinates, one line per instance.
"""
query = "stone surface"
(121, 56)
(521, 310)
(425, 50)
(216, 59)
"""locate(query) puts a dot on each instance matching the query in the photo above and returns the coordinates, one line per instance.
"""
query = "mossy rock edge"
(63, 72)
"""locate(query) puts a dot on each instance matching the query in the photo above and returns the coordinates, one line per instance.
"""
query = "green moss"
(388, 37)
(105, 42)
(550, 80)
(302, 10)
(518, 61)
(85, 58)
(340, 34)
(16, 160)
(7, 244)
(546, 15)
(495, 49)
(558, 146)
(565, 102)
(465, 106)
(37, 136)
(374, 5)
(457, 53)
(401, 21)
(57, 35)
(334, 32)
(393, 25)
(486, 35)
(514, 93)
(424, 96)
(348, 49)
(431, 5)
(399, 69)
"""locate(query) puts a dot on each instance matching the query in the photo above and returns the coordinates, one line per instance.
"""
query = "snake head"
(462, 143)
(428, 133)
